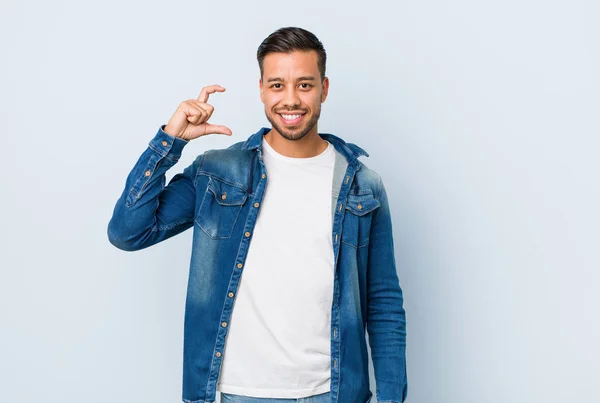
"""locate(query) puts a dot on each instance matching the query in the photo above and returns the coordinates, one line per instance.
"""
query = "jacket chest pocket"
(220, 208)
(357, 219)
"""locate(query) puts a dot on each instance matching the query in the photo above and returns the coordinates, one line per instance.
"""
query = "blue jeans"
(229, 398)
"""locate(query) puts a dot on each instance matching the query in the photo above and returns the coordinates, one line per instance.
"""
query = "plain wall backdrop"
(481, 117)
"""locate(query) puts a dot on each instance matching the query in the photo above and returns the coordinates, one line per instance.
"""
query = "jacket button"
(230, 295)
(247, 234)
(359, 206)
(224, 324)
(147, 173)
(239, 265)
(264, 176)
(256, 204)
(224, 196)
(218, 354)
(164, 143)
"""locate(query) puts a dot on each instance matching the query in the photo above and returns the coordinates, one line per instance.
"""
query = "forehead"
(290, 65)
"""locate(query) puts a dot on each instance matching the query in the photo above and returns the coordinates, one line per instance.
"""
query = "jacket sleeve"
(149, 212)
(386, 320)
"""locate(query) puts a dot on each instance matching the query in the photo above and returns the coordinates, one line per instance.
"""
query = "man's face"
(292, 91)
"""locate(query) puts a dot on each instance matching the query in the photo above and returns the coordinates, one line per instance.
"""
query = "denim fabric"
(219, 196)
(230, 398)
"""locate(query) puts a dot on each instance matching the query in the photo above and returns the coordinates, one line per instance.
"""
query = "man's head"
(293, 83)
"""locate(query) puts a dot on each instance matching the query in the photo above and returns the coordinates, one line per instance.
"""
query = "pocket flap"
(362, 204)
(226, 194)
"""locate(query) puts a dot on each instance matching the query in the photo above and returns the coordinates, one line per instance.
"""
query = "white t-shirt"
(279, 343)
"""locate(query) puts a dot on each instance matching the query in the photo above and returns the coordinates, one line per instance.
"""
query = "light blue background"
(481, 117)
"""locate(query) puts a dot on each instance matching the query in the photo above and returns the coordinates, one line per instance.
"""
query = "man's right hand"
(190, 119)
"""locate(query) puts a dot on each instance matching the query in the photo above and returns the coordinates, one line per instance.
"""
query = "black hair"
(289, 39)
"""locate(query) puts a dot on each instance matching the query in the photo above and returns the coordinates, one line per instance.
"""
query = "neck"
(308, 146)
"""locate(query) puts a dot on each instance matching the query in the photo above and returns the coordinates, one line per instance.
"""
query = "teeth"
(290, 117)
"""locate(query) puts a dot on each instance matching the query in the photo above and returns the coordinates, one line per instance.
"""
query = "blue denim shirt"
(220, 195)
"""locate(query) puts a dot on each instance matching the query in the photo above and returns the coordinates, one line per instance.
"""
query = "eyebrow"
(306, 78)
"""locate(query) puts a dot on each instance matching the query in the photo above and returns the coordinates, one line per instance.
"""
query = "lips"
(291, 118)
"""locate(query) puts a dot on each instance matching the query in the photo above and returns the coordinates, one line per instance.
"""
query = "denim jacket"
(219, 195)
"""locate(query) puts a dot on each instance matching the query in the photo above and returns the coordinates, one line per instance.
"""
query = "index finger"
(211, 89)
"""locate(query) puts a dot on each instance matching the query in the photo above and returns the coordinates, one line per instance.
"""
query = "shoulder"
(229, 155)
(367, 180)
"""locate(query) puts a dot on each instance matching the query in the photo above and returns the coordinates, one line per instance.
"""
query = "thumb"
(218, 129)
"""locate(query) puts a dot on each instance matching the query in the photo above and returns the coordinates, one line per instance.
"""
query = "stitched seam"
(135, 196)
(212, 175)
(155, 149)
(379, 194)
(349, 244)
(168, 155)
(156, 166)
(201, 160)
(170, 226)
(362, 245)
(198, 215)
(362, 192)
(235, 203)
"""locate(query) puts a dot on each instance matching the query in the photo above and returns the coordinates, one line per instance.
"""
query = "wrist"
(170, 132)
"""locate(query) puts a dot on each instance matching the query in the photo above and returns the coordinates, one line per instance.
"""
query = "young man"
(291, 228)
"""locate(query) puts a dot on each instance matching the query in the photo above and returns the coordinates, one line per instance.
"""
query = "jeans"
(229, 398)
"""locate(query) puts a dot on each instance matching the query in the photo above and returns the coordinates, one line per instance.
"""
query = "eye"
(276, 85)
(305, 86)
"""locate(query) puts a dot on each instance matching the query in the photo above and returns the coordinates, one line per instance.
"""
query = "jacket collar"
(350, 151)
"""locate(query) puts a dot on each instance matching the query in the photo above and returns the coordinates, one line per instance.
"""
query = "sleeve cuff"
(166, 144)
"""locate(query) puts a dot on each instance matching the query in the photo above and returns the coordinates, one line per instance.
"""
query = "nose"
(291, 99)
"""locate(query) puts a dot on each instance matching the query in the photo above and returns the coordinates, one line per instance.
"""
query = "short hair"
(289, 39)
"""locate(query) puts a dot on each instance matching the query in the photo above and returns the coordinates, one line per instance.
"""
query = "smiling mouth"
(291, 118)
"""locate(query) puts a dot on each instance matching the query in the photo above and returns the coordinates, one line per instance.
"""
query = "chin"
(291, 133)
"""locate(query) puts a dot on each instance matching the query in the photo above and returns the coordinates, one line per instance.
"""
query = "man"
(291, 227)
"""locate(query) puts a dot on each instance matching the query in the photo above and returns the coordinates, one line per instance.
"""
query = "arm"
(148, 212)
(386, 322)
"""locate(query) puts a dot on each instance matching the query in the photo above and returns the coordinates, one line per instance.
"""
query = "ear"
(262, 90)
(324, 89)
